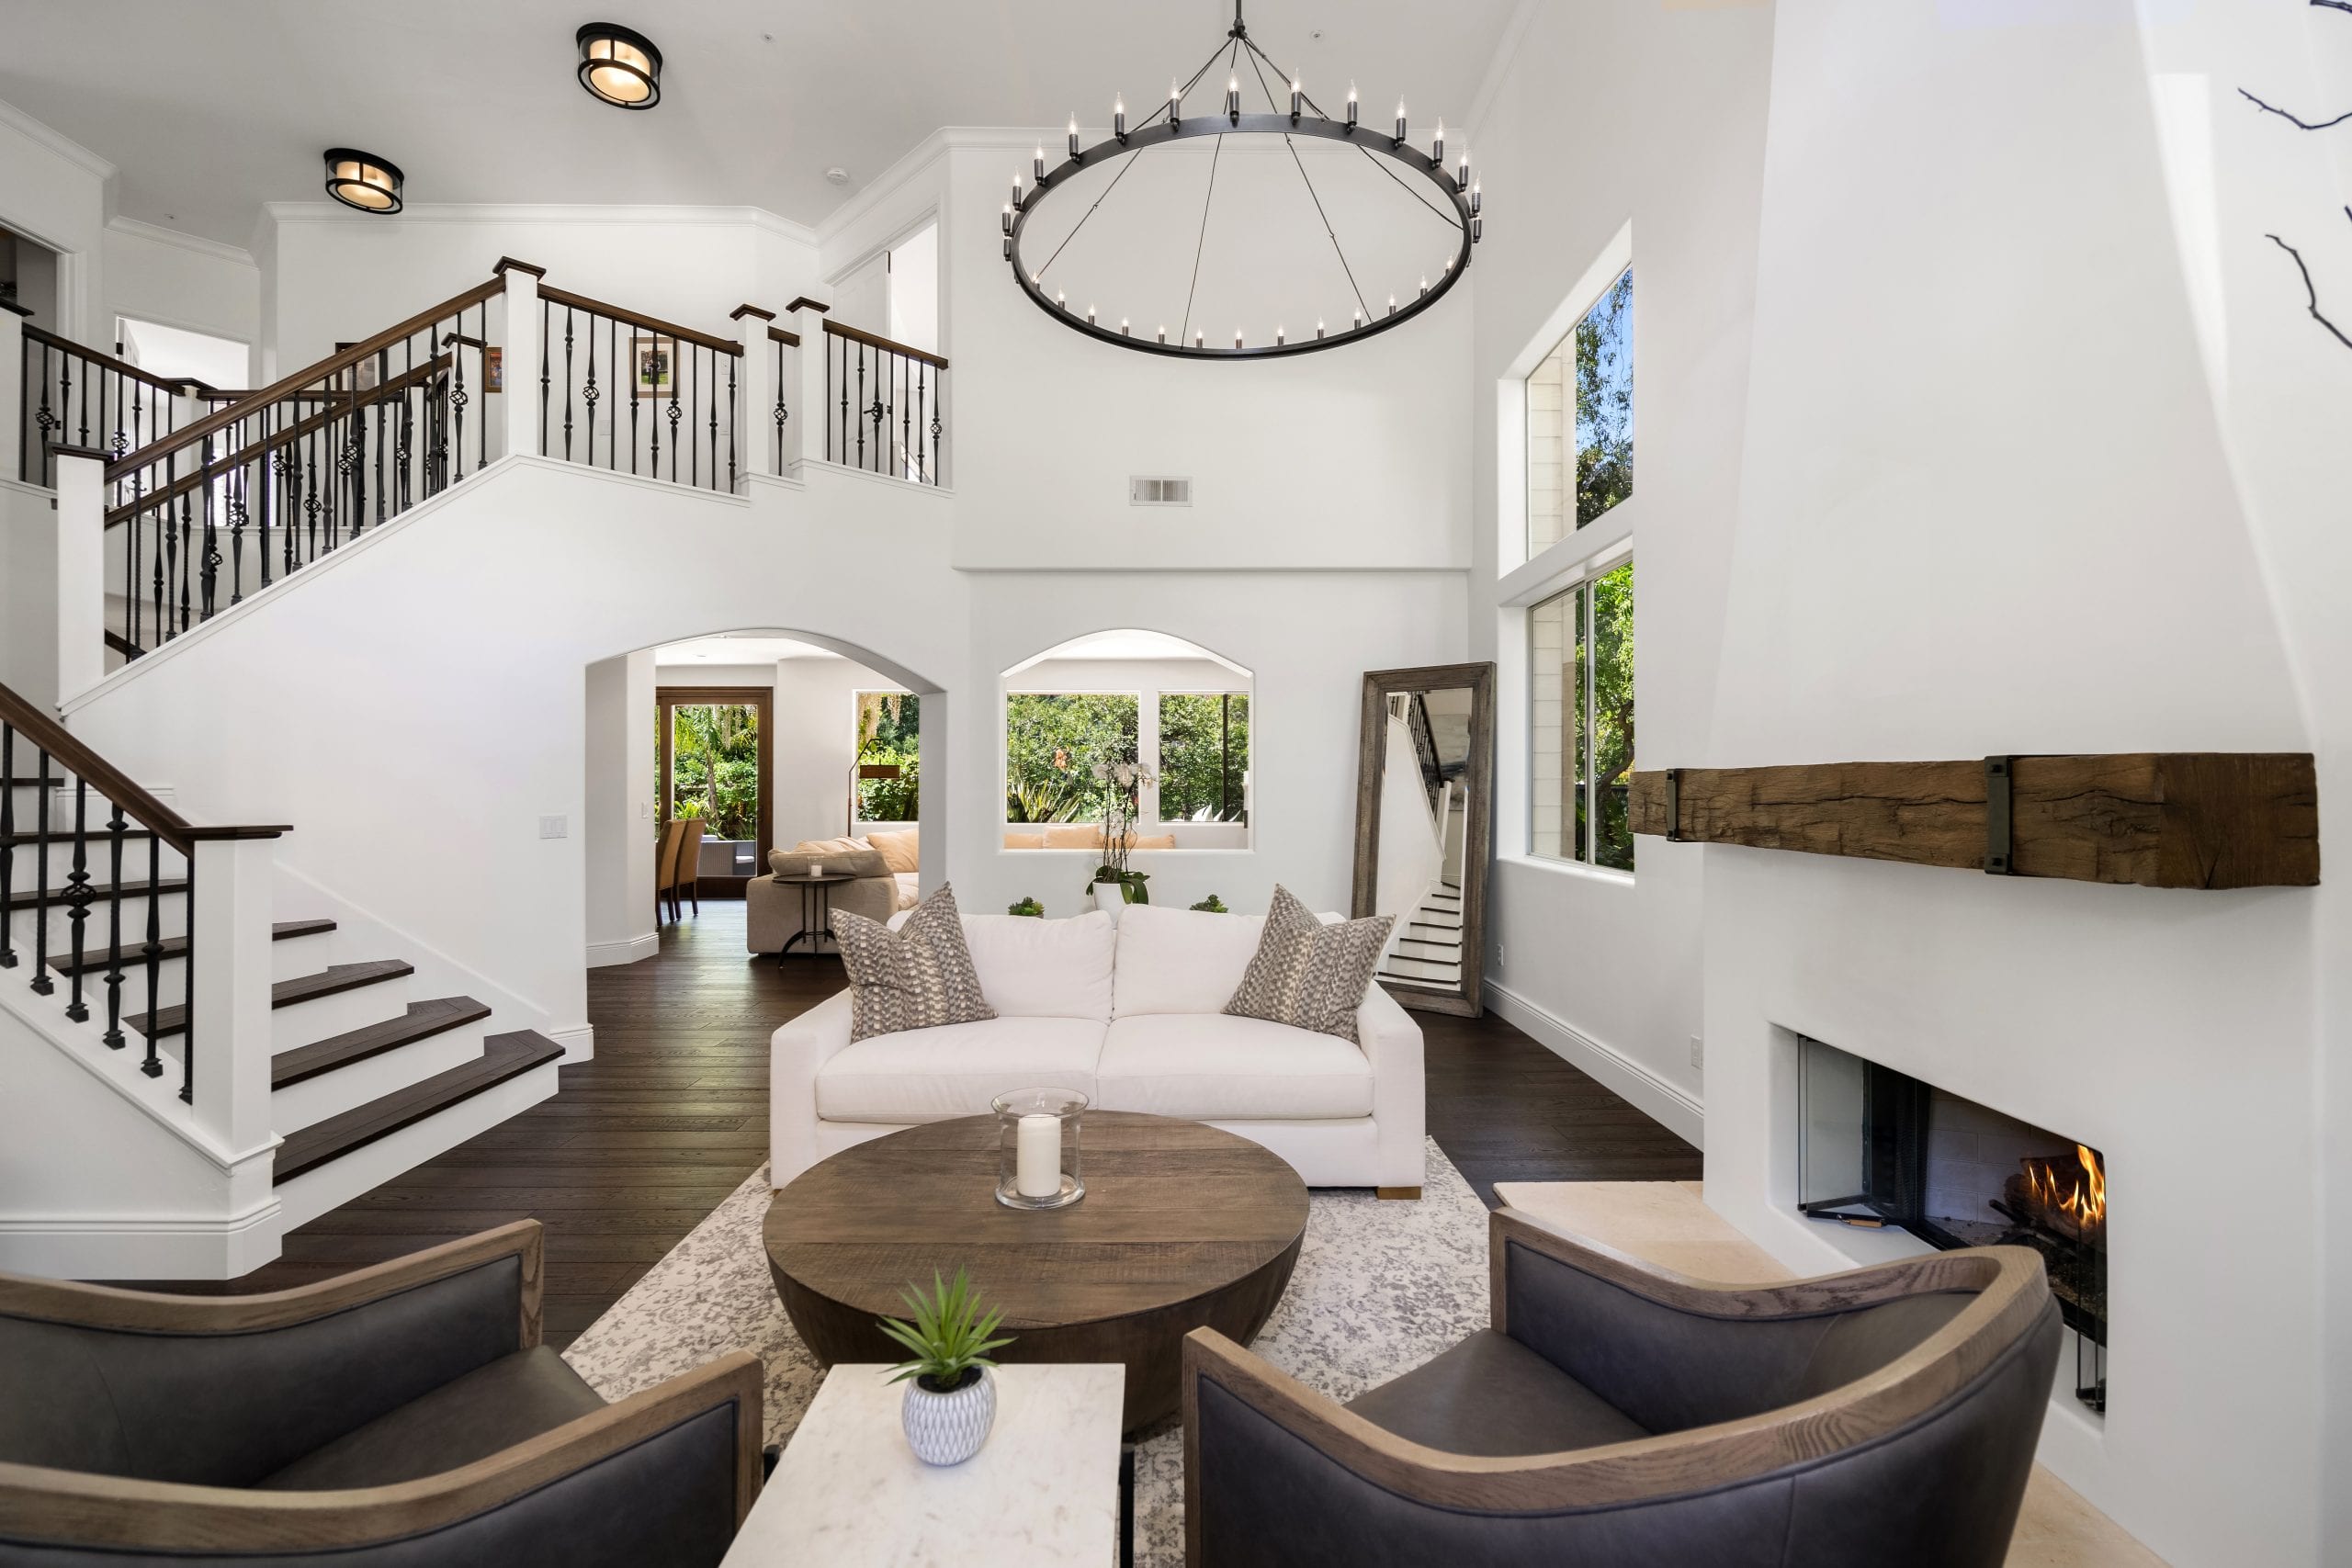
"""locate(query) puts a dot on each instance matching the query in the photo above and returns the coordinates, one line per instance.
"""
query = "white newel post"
(519, 366)
(81, 546)
(12, 393)
(761, 438)
(810, 414)
(229, 1028)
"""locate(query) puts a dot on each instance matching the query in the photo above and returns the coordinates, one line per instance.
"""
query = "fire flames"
(2079, 1194)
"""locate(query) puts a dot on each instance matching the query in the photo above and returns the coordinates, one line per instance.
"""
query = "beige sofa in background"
(884, 867)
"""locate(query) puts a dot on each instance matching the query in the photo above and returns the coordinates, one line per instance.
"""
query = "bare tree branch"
(2296, 119)
(2311, 293)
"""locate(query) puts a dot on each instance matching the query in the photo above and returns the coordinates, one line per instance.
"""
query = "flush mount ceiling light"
(620, 67)
(362, 180)
(1456, 202)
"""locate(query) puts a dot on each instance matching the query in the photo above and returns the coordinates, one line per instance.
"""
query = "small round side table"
(815, 914)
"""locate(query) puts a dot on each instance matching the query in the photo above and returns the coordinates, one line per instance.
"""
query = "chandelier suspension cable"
(1291, 143)
(1449, 219)
(1099, 200)
(1202, 245)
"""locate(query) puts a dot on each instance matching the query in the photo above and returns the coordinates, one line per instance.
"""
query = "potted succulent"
(950, 1399)
(1026, 907)
(1211, 905)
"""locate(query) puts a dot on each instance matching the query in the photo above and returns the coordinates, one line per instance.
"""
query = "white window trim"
(1595, 567)
(1511, 407)
(1248, 774)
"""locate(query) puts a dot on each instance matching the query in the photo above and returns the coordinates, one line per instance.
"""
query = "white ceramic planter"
(948, 1429)
(1111, 895)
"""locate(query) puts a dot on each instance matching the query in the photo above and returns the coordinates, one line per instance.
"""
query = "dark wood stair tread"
(63, 833)
(99, 891)
(505, 1056)
(421, 1021)
(134, 955)
(332, 980)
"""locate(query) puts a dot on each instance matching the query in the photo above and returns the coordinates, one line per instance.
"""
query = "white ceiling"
(210, 109)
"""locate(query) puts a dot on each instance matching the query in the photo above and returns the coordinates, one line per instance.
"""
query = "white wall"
(618, 810)
(339, 276)
(816, 743)
(157, 275)
(54, 190)
(1601, 965)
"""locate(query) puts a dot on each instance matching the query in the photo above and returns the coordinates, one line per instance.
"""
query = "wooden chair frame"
(117, 1512)
(2012, 1292)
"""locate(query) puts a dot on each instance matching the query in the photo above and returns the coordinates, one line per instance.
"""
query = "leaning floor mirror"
(1424, 824)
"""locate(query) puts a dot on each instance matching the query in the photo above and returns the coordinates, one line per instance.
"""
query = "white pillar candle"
(815, 868)
(1037, 1165)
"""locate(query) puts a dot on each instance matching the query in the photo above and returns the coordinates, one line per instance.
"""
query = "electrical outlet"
(1698, 1055)
(1502, 956)
(554, 827)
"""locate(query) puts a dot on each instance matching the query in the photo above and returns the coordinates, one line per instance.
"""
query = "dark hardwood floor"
(671, 1115)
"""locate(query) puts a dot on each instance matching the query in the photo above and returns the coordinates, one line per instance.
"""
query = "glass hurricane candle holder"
(1037, 1148)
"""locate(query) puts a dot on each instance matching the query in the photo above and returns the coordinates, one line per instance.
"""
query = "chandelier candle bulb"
(1392, 304)
(1462, 180)
(1233, 98)
(1297, 101)
(1400, 122)
(1237, 337)
(1437, 147)
(1122, 328)
(1163, 333)
(1352, 105)
(1090, 315)
(1474, 196)
(1008, 218)
(1175, 101)
(1278, 337)
(1200, 339)
(1037, 163)
(1425, 287)
(1319, 329)
(1119, 120)
(1073, 136)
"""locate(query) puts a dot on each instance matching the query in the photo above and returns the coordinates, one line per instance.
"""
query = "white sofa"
(1130, 1012)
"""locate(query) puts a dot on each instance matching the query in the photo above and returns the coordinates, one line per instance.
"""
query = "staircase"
(114, 951)
(1427, 951)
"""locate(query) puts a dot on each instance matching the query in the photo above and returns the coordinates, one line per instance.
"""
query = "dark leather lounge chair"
(1617, 1414)
(403, 1416)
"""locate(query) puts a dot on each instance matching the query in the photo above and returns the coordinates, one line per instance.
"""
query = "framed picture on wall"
(493, 369)
(656, 362)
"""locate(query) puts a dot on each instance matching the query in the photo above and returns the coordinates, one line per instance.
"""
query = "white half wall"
(618, 819)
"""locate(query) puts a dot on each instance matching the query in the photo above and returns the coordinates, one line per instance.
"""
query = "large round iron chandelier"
(1368, 308)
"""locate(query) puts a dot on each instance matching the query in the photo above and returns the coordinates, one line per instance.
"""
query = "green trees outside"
(1604, 658)
(1605, 402)
(1204, 756)
(888, 726)
(715, 768)
(1051, 740)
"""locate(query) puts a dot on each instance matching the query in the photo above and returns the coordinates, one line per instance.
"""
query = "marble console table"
(1042, 1491)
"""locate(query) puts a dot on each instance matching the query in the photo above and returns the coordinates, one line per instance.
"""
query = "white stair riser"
(313, 1192)
(25, 861)
(299, 955)
(307, 1023)
(1410, 969)
(289, 959)
(1443, 919)
(171, 921)
(297, 1106)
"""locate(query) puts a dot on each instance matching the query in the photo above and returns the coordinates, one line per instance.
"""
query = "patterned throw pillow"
(918, 976)
(1308, 975)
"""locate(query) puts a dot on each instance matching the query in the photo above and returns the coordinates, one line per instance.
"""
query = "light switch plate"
(554, 827)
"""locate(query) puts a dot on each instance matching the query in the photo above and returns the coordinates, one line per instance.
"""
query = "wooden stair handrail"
(654, 324)
(84, 763)
(339, 405)
(783, 335)
(108, 362)
(874, 340)
(220, 419)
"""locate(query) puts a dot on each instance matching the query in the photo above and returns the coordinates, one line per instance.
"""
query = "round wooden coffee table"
(1183, 1227)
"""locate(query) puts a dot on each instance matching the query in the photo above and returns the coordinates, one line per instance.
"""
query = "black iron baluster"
(66, 389)
(714, 411)
(311, 493)
(674, 411)
(186, 559)
(921, 379)
(211, 557)
(8, 841)
(906, 424)
(116, 827)
(567, 381)
(266, 468)
(43, 422)
(153, 950)
(383, 386)
(861, 403)
(782, 413)
(237, 517)
(187, 980)
(406, 454)
(42, 985)
(163, 628)
(457, 396)
(547, 385)
(938, 407)
(842, 382)
(590, 393)
(636, 396)
(78, 896)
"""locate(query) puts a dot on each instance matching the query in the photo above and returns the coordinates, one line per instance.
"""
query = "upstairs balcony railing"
(204, 498)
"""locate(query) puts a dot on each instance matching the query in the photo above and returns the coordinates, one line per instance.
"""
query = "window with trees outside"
(1204, 756)
(890, 762)
(1052, 740)
(1580, 662)
(1580, 421)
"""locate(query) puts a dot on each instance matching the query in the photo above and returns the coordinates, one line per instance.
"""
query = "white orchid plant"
(1123, 783)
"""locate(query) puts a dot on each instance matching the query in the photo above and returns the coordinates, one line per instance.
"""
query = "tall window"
(1204, 757)
(1580, 421)
(890, 762)
(1052, 740)
(1581, 657)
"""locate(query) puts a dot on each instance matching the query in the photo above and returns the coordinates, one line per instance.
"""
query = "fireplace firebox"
(1880, 1148)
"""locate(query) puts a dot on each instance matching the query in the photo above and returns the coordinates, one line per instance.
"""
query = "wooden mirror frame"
(1477, 849)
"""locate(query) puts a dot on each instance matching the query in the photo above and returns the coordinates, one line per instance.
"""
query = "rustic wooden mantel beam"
(2156, 819)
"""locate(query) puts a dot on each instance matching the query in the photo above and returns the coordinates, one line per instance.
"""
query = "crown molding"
(56, 141)
(157, 234)
(554, 213)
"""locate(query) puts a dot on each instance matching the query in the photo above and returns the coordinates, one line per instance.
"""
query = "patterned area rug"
(1379, 1287)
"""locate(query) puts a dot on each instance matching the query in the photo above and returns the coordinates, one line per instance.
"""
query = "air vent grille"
(1146, 490)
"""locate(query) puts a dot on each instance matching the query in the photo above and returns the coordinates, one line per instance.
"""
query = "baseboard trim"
(1661, 1101)
(578, 1040)
(604, 955)
(141, 1246)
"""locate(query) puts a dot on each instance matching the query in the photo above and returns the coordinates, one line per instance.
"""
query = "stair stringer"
(104, 1172)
